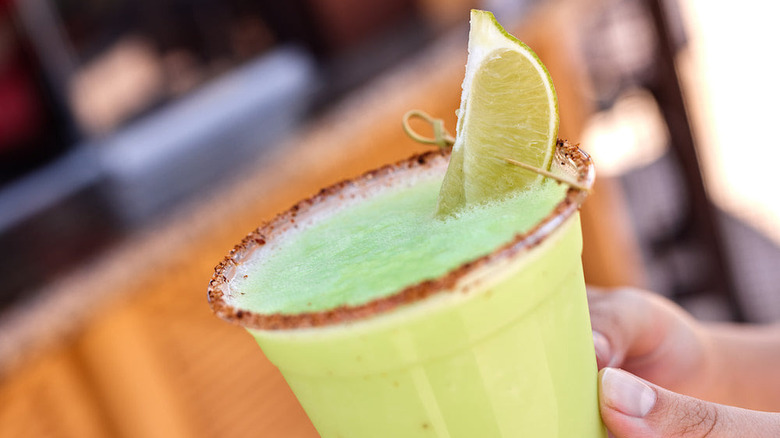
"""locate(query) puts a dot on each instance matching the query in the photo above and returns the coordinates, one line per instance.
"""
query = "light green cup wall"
(512, 359)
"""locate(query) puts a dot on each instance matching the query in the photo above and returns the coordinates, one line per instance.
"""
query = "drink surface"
(380, 245)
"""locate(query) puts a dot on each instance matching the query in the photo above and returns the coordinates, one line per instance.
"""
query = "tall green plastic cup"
(499, 347)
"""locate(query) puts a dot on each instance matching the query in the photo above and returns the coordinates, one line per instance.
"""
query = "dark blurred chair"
(692, 251)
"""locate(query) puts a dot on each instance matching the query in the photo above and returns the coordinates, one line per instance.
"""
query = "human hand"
(633, 408)
(651, 337)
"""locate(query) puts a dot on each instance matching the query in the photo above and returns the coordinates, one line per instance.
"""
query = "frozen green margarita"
(481, 329)
(442, 296)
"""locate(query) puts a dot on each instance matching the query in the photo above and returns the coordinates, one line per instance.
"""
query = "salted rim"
(565, 154)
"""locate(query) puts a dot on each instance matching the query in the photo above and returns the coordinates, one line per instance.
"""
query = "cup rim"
(566, 154)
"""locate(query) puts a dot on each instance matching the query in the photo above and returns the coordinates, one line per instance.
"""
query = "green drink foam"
(380, 245)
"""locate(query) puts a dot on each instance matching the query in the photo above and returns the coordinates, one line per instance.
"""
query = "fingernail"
(603, 353)
(626, 393)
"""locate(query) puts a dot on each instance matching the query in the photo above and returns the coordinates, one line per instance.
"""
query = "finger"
(623, 325)
(634, 408)
(633, 327)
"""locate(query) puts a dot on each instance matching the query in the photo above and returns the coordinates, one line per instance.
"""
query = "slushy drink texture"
(387, 321)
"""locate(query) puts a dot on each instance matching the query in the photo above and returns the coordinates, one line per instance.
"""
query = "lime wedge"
(508, 109)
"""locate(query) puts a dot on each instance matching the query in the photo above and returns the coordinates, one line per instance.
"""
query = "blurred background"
(140, 140)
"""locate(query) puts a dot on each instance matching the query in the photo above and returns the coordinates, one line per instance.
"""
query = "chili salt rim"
(565, 153)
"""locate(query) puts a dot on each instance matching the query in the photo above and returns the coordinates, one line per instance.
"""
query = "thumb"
(634, 408)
